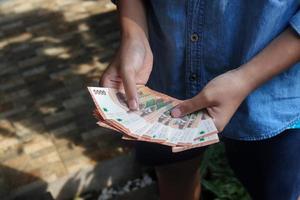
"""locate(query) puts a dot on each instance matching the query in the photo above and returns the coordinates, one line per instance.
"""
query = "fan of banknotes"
(152, 122)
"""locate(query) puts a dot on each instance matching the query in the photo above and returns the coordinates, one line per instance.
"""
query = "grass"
(218, 180)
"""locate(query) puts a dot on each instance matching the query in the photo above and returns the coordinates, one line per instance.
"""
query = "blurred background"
(50, 145)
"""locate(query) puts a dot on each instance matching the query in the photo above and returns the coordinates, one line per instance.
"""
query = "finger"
(219, 123)
(189, 106)
(110, 81)
(129, 83)
(110, 77)
(103, 80)
(110, 74)
(219, 117)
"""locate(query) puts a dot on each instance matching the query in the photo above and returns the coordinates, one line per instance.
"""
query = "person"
(239, 60)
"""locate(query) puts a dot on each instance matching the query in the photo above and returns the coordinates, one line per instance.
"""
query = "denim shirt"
(194, 41)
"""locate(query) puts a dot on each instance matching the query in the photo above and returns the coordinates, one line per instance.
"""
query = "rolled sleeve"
(295, 22)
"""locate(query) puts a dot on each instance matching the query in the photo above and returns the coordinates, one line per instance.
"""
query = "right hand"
(131, 65)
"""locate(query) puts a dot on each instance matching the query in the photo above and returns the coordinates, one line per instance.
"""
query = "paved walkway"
(50, 50)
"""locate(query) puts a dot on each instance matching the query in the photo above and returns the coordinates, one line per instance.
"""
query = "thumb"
(188, 106)
(129, 83)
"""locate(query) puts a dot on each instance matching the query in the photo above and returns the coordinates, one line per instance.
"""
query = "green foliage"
(218, 180)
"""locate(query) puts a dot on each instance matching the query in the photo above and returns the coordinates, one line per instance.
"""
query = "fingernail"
(176, 112)
(132, 104)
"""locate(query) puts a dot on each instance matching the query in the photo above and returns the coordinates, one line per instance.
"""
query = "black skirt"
(152, 154)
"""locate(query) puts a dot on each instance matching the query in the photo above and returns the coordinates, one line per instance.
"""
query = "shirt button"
(194, 37)
(193, 77)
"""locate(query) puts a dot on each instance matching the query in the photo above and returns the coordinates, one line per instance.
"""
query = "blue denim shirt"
(194, 41)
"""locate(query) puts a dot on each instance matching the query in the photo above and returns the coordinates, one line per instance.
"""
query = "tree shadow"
(11, 178)
(46, 64)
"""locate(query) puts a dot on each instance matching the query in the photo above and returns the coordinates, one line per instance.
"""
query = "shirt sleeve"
(295, 22)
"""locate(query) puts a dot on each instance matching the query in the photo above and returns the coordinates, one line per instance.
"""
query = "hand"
(221, 97)
(131, 65)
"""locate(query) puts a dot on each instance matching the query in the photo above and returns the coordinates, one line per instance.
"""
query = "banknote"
(152, 121)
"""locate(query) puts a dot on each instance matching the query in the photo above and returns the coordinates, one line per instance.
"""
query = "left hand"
(221, 97)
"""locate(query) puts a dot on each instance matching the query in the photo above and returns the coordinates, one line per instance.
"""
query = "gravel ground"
(143, 187)
(130, 186)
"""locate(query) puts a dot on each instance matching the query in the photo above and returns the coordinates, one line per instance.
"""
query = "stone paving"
(50, 50)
